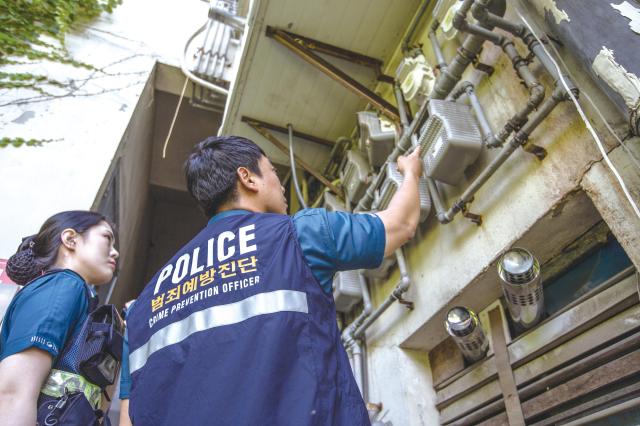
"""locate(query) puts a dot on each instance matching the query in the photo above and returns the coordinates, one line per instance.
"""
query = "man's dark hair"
(211, 169)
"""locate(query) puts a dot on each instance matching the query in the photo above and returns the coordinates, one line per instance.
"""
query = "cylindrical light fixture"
(519, 272)
(463, 325)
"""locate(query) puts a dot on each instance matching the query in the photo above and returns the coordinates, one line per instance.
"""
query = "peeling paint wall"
(619, 79)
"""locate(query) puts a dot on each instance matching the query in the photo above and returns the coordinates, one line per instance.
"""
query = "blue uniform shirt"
(330, 242)
(44, 314)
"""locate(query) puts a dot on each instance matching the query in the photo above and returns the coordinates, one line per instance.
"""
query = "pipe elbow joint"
(459, 21)
(479, 11)
(537, 95)
(492, 141)
(445, 217)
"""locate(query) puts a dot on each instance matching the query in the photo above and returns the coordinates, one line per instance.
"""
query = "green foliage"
(34, 30)
(17, 142)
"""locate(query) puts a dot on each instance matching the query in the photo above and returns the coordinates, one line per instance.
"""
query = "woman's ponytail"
(23, 266)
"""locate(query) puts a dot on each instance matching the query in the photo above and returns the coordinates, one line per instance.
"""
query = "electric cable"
(584, 118)
(294, 174)
(173, 121)
(194, 78)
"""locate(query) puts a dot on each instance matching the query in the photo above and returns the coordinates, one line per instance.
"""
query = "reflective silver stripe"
(216, 316)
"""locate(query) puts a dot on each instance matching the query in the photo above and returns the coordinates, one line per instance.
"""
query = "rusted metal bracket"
(281, 129)
(282, 147)
(299, 46)
(338, 52)
(536, 150)
(485, 68)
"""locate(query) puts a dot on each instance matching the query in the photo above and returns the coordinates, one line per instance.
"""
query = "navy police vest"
(235, 330)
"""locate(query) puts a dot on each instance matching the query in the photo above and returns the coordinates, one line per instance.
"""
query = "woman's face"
(95, 254)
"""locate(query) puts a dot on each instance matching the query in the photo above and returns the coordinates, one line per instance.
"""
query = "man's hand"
(411, 165)
(401, 217)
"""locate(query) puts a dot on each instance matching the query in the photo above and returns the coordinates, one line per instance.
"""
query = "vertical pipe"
(437, 51)
(402, 109)
(466, 53)
(294, 174)
(435, 196)
(396, 295)
(358, 371)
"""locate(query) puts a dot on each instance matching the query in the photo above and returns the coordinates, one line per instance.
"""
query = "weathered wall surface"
(539, 205)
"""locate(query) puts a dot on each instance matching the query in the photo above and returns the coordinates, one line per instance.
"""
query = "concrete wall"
(132, 163)
(539, 205)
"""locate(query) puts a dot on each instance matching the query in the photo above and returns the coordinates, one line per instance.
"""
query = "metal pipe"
(294, 173)
(227, 17)
(518, 140)
(358, 371)
(468, 88)
(403, 145)
(402, 109)
(267, 135)
(467, 53)
(435, 196)
(347, 334)
(437, 50)
(193, 77)
(414, 25)
(271, 126)
(536, 96)
(482, 14)
(396, 295)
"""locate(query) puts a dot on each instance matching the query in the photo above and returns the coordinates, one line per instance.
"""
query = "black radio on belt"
(101, 351)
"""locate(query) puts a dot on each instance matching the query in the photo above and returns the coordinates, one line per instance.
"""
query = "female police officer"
(71, 250)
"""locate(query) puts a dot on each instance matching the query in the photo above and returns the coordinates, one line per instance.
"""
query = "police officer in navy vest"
(239, 327)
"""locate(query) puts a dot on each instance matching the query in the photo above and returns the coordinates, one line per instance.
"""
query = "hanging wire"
(294, 174)
(590, 128)
(175, 115)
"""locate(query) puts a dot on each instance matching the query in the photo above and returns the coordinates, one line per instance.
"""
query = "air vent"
(463, 326)
(519, 273)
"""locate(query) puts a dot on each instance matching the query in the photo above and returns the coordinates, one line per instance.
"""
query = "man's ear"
(69, 237)
(246, 178)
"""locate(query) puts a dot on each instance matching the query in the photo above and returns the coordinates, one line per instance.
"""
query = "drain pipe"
(480, 11)
(402, 107)
(396, 295)
(536, 95)
(467, 53)
(414, 25)
(519, 139)
(353, 345)
(468, 88)
(294, 174)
